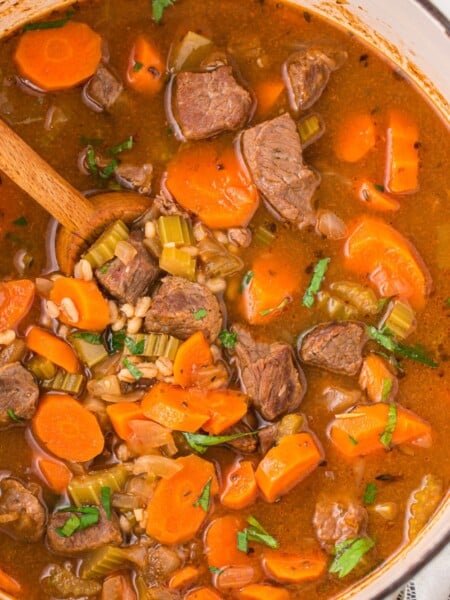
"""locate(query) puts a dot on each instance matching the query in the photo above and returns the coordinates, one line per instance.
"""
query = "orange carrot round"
(402, 173)
(67, 429)
(192, 355)
(146, 68)
(258, 591)
(202, 593)
(8, 583)
(184, 577)
(16, 298)
(375, 198)
(226, 408)
(220, 543)
(208, 179)
(121, 413)
(53, 348)
(294, 567)
(355, 137)
(92, 308)
(60, 58)
(240, 486)
(56, 475)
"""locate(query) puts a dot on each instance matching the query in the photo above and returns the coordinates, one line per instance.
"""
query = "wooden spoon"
(82, 219)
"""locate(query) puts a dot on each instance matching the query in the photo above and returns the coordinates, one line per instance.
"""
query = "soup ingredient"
(337, 520)
(53, 348)
(393, 264)
(67, 429)
(423, 503)
(56, 475)
(8, 583)
(104, 247)
(158, 7)
(91, 309)
(209, 180)
(310, 128)
(146, 67)
(184, 577)
(23, 516)
(257, 591)
(190, 52)
(240, 488)
(172, 515)
(221, 545)
(374, 426)
(16, 298)
(285, 465)
(57, 59)
(273, 153)
(118, 587)
(226, 408)
(87, 488)
(18, 393)
(387, 341)
(61, 582)
(267, 94)
(402, 173)
(202, 593)
(201, 442)
(255, 533)
(355, 137)
(294, 567)
(399, 319)
(377, 379)
(316, 281)
(349, 554)
(121, 413)
(374, 196)
(370, 493)
(177, 262)
(103, 90)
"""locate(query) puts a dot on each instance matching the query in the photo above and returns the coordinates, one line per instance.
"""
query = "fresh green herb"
(159, 7)
(386, 389)
(88, 336)
(386, 436)
(203, 500)
(200, 314)
(316, 281)
(134, 347)
(21, 222)
(228, 339)
(105, 499)
(104, 268)
(370, 493)
(348, 554)
(201, 442)
(137, 66)
(12, 237)
(12, 415)
(109, 169)
(134, 371)
(50, 24)
(282, 304)
(215, 570)
(353, 440)
(115, 340)
(387, 341)
(391, 359)
(255, 533)
(89, 516)
(378, 187)
(90, 158)
(86, 141)
(246, 281)
(447, 302)
(169, 131)
(70, 526)
(126, 145)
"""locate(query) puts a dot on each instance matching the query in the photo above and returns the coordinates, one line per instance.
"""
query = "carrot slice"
(258, 591)
(67, 429)
(53, 348)
(285, 465)
(208, 179)
(121, 413)
(294, 567)
(268, 287)
(60, 58)
(192, 355)
(175, 407)
(402, 173)
(16, 298)
(203, 593)
(355, 138)
(240, 486)
(56, 475)
(91, 306)
(267, 94)
(226, 408)
(8, 583)
(358, 432)
(146, 68)
(184, 577)
(221, 543)
(375, 198)
(377, 379)
(393, 264)
(174, 516)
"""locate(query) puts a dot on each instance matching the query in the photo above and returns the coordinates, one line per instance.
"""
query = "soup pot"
(416, 36)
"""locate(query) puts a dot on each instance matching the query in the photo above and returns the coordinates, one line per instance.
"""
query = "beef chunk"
(103, 89)
(244, 445)
(306, 75)
(205, 104)
(106, 531)
(18, 392)
(22, 516)
(334, 522)
(273, 154)
(266, 437)
(135, 177)
(335, 346)
(128, 282)
(268, 374)
(161, 563)
(180, 308)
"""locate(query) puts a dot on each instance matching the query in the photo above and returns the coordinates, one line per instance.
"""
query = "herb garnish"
(282, 304)
(246, 281)
(316, 281)
(134, 347)
(378, 187)
(203, 500)
(89, 516)
(109, 169)
(227, 338)
(353, 440)
(386, 436)
(215, 570)
(348, 554)
(50, 24)
(90, 159)
(134, 371)
(21, 222)
(447, 302)
(159, 7)
(200, 314)
(105, 499)
(12, 415)
(137, 66)
(201, 442)
(126, 145)
(255, 533)
(88, 336)
(370, 493)
(385, 339)
(386, 388)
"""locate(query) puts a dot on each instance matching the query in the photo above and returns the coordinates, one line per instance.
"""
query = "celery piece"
(335, 307)
(179, 263)
(89, 354)
(360, 296)
(86, 489)
(41, 367)
(289, 425)
(263, 236)
(103, 248)
(103, 561)
(399, 319)
(70, 383)
(142, 589)
(310, 129)
(175, 230)
(152, 345)
(190, 52)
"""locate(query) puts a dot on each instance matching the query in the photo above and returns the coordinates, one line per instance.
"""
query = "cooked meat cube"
(273, 154)
(166, 205)
(106, 531)
(161, 563)
(269, 375)
(205, 104)
(334, 522)
(335, 346)
(103, 89)
(244, 445)
(128, 282)
(306, 75)
(18, 393)
(22, 516)
(180, 308)
(135, 177)
(62, 583)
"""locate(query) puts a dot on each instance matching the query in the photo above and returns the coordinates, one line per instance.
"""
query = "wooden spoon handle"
(33, 175)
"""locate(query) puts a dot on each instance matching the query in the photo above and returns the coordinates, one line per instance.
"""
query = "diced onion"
(156, 465)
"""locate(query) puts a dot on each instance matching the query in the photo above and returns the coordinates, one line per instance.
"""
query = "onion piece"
(156, 465)
(330, 225)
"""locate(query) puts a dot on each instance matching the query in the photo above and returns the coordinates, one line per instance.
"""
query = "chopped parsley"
(134, 371)
(88, 336)
(316, 281)
(201, 442)
(269, 311)
(215, 570)
(370, 493)
(114, 340)
(447, 302)
(200, 314)
(12, 415)
(203, 500)
(109, 169)
(83, 517)
(228, 339)
(90, 159)
(134, 347)
(104, 268)
(21, 222)
(246, 281)
(348, 554)
(50, 24)
(137, 66)
(126, 145)
(353, 440)
(105, 499)
(385, 339)
(158, 7)
(378, 187)
(386, 388)
(255, 533)
(386, 436)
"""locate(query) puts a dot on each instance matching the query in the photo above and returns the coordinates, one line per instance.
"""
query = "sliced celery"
(152, 345)
(399, 319)
(190, 52)
(142, 589)
(103, 248)
(310, 129)
(90, 354)
(289, 425)
(41, 367)
(263, 236)
(360, 296)
(70, 383)
(175, 230)
(179, 263)
(86, 489)
(103, 561)
(335, 307)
